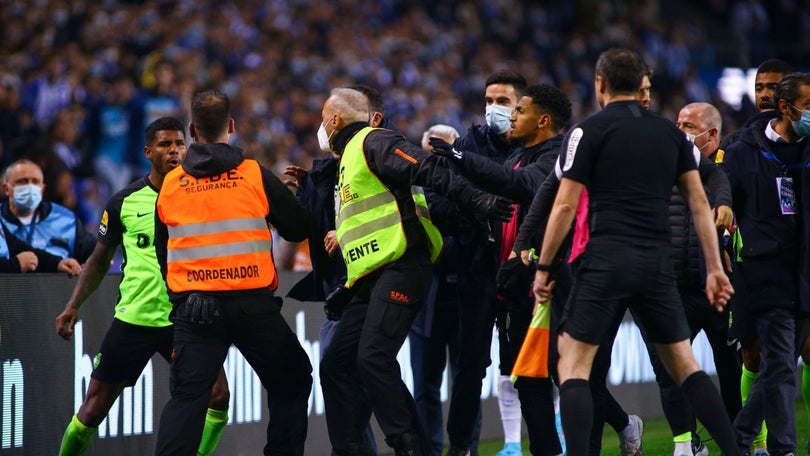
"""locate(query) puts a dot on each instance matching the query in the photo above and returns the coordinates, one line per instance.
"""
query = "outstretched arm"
(518, 184)
(400, 162)
(292, 220)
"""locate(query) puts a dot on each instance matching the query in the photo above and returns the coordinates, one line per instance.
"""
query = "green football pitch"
(658, 439)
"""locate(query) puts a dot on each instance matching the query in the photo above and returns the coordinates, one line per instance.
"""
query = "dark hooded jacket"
(292, 221)
(774, 252)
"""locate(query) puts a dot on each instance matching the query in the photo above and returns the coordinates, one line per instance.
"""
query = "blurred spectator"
(749, 21)
(17, 256)
(10, 126)
(160, 99)
(50, 92)
(275, 58)
(42, 224)
(110, 133)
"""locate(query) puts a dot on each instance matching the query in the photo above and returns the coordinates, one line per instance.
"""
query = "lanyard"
(783, 166)
(32, 227)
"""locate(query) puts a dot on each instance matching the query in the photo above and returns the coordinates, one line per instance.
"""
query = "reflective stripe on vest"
(369, 224)
(207, 252)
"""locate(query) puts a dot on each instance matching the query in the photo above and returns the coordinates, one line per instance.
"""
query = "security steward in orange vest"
(388, 243)
(215, 250)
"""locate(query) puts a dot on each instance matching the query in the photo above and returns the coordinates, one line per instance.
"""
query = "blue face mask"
(27, 197)
(497, 117)
(801, 126)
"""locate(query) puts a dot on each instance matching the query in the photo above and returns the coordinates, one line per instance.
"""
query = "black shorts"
(613, 278)
(127, 348)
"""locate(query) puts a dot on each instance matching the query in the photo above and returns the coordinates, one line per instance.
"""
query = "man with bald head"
(702, 123)
(388, 244)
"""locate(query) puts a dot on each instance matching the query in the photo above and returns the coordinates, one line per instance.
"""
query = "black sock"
(576, 413)
(598, 420)
(615, 415)
(709, 409)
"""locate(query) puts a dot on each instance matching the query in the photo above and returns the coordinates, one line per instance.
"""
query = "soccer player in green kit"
(141, 326)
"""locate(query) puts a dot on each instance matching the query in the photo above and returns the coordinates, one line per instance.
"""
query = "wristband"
(544, 267)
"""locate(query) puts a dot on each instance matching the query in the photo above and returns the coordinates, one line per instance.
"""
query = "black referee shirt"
(628, 158)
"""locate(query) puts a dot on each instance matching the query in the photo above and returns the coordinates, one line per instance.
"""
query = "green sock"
(746, 381)
(215, 421)
(76, 439)
(685, 437)
(806, 386)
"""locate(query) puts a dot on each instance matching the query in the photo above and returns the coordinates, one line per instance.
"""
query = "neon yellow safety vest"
(369, 225)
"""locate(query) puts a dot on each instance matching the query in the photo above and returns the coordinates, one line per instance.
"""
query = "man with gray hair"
(388, 244)
(702, 124)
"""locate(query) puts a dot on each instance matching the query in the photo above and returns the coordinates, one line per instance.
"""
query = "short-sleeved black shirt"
(628, 158)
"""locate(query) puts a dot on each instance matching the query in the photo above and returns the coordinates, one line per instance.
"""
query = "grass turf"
(657, 438)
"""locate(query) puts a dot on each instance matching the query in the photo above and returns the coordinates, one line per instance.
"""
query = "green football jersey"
(129, 221)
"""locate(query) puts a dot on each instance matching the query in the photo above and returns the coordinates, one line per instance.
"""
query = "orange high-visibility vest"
(218, 235)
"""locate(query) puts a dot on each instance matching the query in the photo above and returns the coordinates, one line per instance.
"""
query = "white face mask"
(323, 139)
(27, 197)
(691, 137)
(497, 118)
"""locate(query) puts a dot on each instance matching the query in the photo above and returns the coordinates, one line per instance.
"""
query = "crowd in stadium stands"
(79, 80)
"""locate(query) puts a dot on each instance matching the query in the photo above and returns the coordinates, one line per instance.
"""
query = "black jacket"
(399, 165)
(317, 193)
(518, 179)
(292, 221)
(757, 120)
(534, 222)
(687, 255)
(470, 232)
(773, 243)
(518, 183)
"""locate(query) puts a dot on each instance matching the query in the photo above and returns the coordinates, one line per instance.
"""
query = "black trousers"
(363, 355)
(254, 325)
(429, 355)
(701, 316)
(476, 316)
